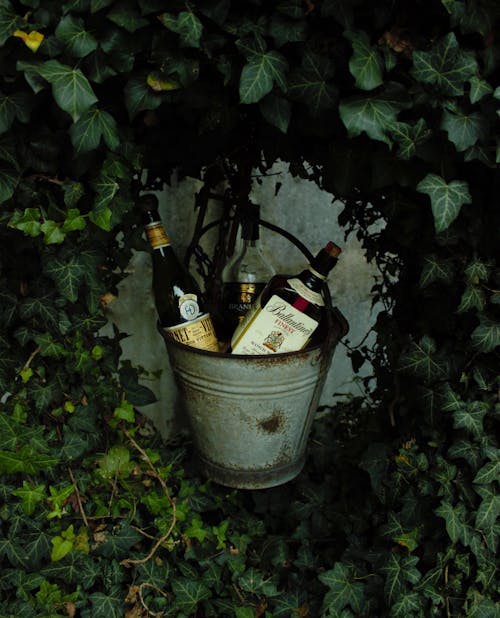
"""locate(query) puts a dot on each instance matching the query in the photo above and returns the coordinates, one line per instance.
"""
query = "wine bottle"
(288, 311)
(177, 296)
(245, 274)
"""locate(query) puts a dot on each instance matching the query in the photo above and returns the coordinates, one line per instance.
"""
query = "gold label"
(198, 333)
(156, 235)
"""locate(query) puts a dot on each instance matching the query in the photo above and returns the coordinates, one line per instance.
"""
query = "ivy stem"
(78, 497)
(128, 562)
(31, 357)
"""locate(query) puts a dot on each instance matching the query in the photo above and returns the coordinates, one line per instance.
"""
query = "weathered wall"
(301, 208)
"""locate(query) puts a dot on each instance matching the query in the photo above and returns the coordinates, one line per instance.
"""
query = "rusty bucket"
(250, 416)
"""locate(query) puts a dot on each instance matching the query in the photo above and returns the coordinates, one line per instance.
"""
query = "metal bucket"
(250, 416)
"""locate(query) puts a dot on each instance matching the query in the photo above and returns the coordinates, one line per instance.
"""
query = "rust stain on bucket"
(274, 423)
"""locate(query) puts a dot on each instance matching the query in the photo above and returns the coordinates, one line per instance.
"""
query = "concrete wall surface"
(302, 209)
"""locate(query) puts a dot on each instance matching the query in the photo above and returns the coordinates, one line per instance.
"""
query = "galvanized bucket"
(250, 416)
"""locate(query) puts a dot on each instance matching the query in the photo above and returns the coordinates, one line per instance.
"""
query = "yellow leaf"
(158, 84)
(33, 40)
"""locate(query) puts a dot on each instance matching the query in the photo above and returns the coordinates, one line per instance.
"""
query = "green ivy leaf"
(9, 22)
(343, 589)
(71, 89)
(53, 234)
(67, 275)
(398, 570)
(93, 125)
(408, 137)
(277, 111)
(259, 75)
(125, 412)
(366, 64)
(486, 336)
(28, 222)
(477, 271)
(420, 360)
(186, 25)
(446, 198)
(9, 179)
(106, 605)
(436, 269)
(9, 433)
(119, 542)
(17, 105)
(471, 418)
(446, 66)
(489, 509)
(311, 83)
(489, 473)
(74, 220)
(188, 594)
(464, 130)
(472, 298)
(139, 96)
(71, 31)
(286, 31)
(25, 461)
(373, 114)
(30, 496)
(479, 88)
(48, 347)
(127, 17)
(406, 605)
(116, 463)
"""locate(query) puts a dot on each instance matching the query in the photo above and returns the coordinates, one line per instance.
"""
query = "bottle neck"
(155, 231)
(318, 270)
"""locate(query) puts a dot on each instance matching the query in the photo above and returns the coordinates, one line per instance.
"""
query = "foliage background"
(390, 106)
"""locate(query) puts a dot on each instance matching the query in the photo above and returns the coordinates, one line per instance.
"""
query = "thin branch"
(78, 497)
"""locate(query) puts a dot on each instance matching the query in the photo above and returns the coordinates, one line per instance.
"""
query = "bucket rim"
(338, 327)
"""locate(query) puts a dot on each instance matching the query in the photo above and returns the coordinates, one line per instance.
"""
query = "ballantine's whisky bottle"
(288, 311)
(245, 275)
(177, 296)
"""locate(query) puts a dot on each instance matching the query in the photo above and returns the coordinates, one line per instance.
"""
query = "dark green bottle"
(177, 296)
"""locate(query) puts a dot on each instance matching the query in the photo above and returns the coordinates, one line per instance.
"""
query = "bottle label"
(239, 297)
(156, 235)
(188, 307)
(302, 290)
(276, 327)
(198, 333)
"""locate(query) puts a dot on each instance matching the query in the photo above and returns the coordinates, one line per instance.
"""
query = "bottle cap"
(333, 249)
(148, 202)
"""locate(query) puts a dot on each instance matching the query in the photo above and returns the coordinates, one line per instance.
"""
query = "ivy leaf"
(479, 88)
(30, 496)
(406, 605)
(366, 64)
(286, 31)
(71, 89)
(9, 22)
(188, 594)
(343, 589)
(398, 570)
(48, 347)
(74, 220)
(8, 183)
(115, 463)
(93, 125)
(259, 75)
(186, 25)
(127, 17)
(420, 360)
(464, 130)
(277, 111)
(253, 581)
(446, 198)
(375, 461)
(139, 96)
(471, 418)
(26, 461)
(67, 275)
(373, 114)
(408, 137)
(446, 66)
(106, 605)
(28, 222)
(12, 107)
(9, 433)
(118, 544)
(477, 271)
(472, 298)
(486, 336)
(489, 509)
(436, 270)
(311, 83)
(489, 473)
(52, 233)
(71, 31)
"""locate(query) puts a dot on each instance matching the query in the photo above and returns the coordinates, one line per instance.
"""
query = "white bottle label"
(276, 327)
(313, 297)
(199, 333)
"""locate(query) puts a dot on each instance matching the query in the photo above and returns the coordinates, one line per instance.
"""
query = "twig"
(31, 357)
(143, 603)
(78, 497)
(128, 561)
